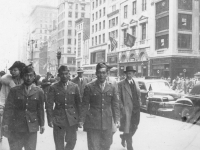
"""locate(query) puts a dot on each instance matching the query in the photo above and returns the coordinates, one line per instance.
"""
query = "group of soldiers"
(100, 107)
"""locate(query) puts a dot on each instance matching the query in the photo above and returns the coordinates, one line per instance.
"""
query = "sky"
(13, 16)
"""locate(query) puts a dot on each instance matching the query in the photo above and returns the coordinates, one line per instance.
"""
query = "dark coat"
(100, 108)
(24, 113)
(127, 107)
(81, 86)
(67, 104)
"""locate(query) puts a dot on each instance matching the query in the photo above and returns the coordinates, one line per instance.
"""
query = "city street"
(154, 133)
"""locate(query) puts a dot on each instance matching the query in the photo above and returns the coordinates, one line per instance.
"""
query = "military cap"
(101, 65)
(28, 69)
(63, 68)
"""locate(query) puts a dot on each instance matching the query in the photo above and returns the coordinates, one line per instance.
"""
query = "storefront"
(113, 62)
(174, 66)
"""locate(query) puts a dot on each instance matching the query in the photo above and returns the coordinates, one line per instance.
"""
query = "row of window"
(101, 40)
(45, 26)
(113, 34)
(61, 25)
(76, 14)
(61, 16)
(113, 22)
(61, 34)
(70, 6)
(96, 26)
(98, 14)
(69, 60)
(45, 31)
(97, 3)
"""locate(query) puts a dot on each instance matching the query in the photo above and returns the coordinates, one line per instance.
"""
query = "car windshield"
(158, 86)
(195, 90)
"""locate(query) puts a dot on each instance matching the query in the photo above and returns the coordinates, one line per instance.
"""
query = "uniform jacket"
(81, 86)
(126, 107)
(67, 104)
(24, 113)
(7, 83)
(99, 108)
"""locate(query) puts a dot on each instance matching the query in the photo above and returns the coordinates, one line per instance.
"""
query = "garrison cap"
(28, 69)
(63, 68)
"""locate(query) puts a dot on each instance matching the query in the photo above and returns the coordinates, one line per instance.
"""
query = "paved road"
(154, 133)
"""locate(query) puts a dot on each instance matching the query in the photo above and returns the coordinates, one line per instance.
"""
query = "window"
(116, 34)
(70, 41)
(185, 41)
(76, 14)
(162, 6)
(70, 14)
(92, 17)
(95, 40)
(82, 7)
(99, 2)
(100, 13)
(79, 45)
(45, 31)
(113, 7)
(40, 31)
(162, 41)
(82, 15)
(97, 57)
(69, 32)
(104, 1)
(144, 5)
(92, 5)
(104, 38)
(124, 34)
(125, 11)
(76, 6)
(69, 50)
(185, 4)
(104, 11)
(99, 26)
(96, 3)
(104, 24)
(70, 5)
(96, 15)
(92, 28)
(71, 60)
(40, 25)
(116, 20)
(99, 39)
(184, 21)
(92, 41)
(69, 23)
(133, 28)
(113, 22)
(143, 31)
(96, 27)
(134, 7)
(162, 23)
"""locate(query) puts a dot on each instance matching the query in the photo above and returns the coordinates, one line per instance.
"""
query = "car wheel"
(185, 114)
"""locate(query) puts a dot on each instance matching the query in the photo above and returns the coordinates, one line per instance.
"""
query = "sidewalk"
(154, 133)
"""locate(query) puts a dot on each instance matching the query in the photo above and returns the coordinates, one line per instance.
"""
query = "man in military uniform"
(129, 95)
(24, 113)
(63, 118)
(100, 109)
(80, 81)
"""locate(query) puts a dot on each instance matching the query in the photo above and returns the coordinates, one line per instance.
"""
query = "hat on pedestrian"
(63, 68)
(28, 69)
(80, 70)
(17, 64)
(129, 68)
(101, 65)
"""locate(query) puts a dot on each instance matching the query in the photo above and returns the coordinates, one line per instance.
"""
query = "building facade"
(40, 21)
(176, 51)
(68, 12)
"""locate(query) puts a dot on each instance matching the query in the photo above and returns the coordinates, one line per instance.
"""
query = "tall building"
(40, 21)
(82, 44)
(68, 12)
(177, 49)
(136, 19)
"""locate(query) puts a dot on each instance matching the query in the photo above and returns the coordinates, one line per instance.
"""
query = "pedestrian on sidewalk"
(129, 95)
(100, 109)
(24, 113)
(63, 118)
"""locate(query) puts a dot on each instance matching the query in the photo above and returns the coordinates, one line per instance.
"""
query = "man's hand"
(42, 128)
(50, 124)
(117, 124)
(80, 124)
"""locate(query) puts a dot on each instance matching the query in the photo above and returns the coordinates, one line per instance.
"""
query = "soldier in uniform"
(100, 109)
(63, 118)
(129, 95)
(24, 113)
(80, 81)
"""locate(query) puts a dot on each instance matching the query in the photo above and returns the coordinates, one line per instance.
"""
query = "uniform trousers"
(99, 139)
(18, 140)
(65, 134)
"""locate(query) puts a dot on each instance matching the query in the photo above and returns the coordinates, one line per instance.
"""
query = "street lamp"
(30, 43)
(58, 57)
(142, 68)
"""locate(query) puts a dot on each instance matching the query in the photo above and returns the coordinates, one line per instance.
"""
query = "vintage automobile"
(187, 108)
(157, 96)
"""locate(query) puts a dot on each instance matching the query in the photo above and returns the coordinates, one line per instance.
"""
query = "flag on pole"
(113, 43)
(130, 40)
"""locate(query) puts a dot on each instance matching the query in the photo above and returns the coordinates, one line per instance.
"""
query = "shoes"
(123, 142)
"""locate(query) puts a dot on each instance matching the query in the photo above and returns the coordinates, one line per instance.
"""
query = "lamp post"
(142, 68)
(58, 57)
(30, 43)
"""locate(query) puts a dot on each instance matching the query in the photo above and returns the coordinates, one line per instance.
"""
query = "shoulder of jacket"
(6, 79)
(72, 83)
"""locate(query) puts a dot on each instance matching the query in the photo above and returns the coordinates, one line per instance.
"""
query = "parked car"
(156, 95)
(186, 108)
